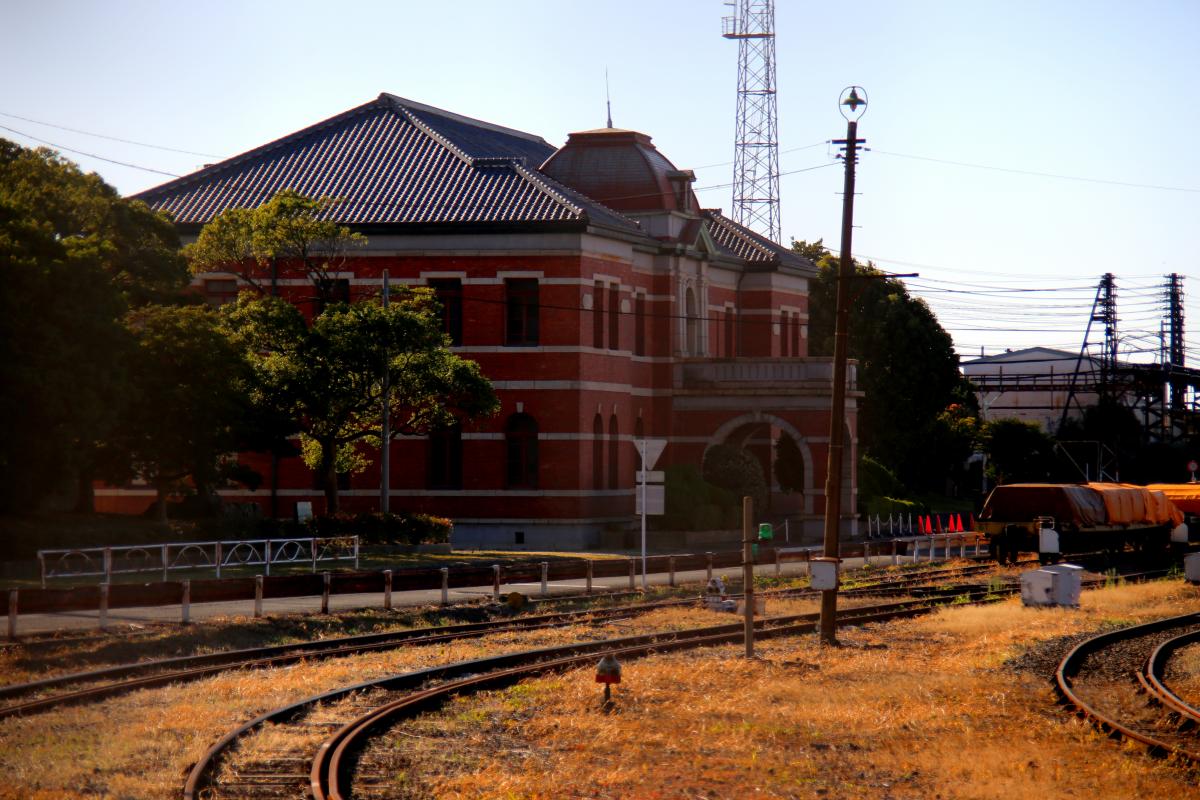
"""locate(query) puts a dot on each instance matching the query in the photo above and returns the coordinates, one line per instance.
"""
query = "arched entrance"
(759, 433)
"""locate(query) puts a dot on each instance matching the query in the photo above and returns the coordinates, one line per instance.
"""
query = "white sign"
(650, 449)
(303, 511)
(654, 476)
(656, 500)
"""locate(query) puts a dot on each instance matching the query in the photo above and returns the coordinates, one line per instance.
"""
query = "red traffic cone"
(938, 517)
(958, 522)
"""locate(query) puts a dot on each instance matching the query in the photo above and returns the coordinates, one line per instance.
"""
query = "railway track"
(1116, 681)
(95, 685)
(354, 715)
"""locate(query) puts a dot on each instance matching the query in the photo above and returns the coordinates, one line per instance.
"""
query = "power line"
(89, 155)
(110, 138)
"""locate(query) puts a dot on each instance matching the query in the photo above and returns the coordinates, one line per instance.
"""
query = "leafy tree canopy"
(289, 232)
(329, 376)
(907, 369)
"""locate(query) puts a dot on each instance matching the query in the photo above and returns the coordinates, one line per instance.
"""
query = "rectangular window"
(639, 325)
(614, 317)
(598, 315)
(450, 294)
(219, 291)
(521, 312)
(784, 333)
(445, 458)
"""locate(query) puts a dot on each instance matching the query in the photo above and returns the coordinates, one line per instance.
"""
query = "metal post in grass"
(748, 571)
(325, 592)
(258, 596)
(545, 576)
(387, 589)
(185, 604)
(590, 569)
(13, 597)
(445, 585)
(103, 612)
(671, 569)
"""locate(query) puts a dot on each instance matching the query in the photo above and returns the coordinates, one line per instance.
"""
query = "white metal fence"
(165, 558)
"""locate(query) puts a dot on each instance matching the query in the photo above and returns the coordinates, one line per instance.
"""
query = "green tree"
(907, 368)
(288, 234)
(75, 257)
(738, 472)
(328, 377)
(1018, 451)
(187, 398)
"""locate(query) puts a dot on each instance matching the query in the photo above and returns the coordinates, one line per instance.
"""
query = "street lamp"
(852, 104)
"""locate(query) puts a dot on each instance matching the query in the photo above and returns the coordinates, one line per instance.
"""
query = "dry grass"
(920, 709)
(141, 745)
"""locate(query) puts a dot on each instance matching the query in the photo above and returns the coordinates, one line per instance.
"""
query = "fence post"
(325, 593)
(12, 614)
(108, 565)
(312, 545)
(267, 559)
(545, 575)
(778, 566)
(104, 606)
(496, 582)
(962, 545)
(589, 576)
(217, 557)
(185, 604)
(42, 563)
(632, 582)
(895, 553)
(709, 559)
(445, 585)
(258, 594)
(387, 589)
(356, 551)
(166, 562)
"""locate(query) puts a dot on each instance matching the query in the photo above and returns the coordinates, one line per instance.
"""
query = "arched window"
(693, 324)
(597, 452)
(521, 451)
(614, 453)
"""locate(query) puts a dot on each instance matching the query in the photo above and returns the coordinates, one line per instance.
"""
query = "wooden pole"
(748, 571)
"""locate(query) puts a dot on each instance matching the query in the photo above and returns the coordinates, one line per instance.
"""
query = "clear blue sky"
(1104, 91)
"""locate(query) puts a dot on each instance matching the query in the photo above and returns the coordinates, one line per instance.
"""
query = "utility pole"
(385, 455)
(853, 104)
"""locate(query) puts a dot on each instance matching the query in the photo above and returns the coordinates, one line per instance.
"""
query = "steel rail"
(1069, 667)
(160, 672)
(1154, 673)
(203, 770)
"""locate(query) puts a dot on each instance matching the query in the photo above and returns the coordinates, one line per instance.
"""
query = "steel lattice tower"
(756, 137)
(1176, 353)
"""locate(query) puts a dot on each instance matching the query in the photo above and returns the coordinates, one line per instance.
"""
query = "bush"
(736, 471)
(387, 529)
(693, 504)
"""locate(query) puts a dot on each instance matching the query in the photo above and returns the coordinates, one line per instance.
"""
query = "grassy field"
(954, 705)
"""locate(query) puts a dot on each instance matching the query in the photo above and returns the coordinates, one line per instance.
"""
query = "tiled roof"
(392, 162)
(741, 242)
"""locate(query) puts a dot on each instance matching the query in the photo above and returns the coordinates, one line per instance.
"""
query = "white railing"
(125, 559)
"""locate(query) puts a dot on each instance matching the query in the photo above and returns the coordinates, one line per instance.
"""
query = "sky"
(1018, 150)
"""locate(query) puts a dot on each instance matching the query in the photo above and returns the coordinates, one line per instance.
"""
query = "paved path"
(89, 620)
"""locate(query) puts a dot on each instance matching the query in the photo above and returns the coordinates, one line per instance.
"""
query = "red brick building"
(596, 294)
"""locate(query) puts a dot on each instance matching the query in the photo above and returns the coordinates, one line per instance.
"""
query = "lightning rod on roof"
(607, 99)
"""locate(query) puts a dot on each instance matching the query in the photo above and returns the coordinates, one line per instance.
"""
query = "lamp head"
(853, 103)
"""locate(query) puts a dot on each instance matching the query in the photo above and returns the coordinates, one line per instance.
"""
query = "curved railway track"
(1116, 681)
(386, 701)
(94, 685)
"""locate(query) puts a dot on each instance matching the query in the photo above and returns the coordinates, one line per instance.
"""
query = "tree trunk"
(161, 511)
(85, 497)
(329, 471)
